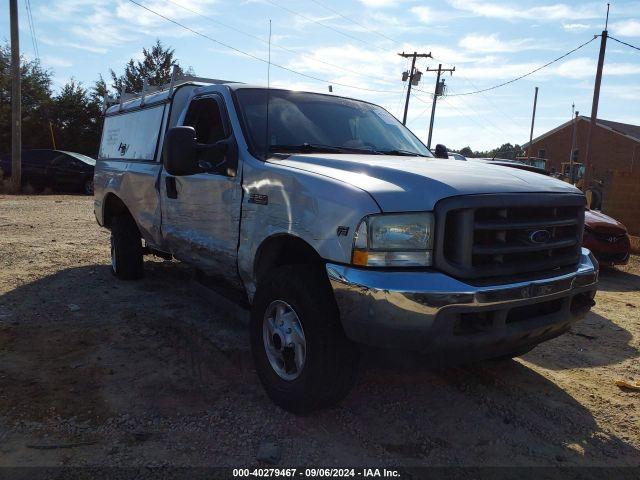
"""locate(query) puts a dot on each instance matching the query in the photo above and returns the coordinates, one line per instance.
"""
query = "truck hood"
(402, 183)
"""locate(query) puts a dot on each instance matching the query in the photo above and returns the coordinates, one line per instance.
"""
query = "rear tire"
(126, 248)
(330, 358)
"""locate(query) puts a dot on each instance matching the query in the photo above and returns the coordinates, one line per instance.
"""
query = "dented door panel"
(201, 216)
(200, 226)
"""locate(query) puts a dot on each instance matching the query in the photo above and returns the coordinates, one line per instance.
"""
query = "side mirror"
(441, 151)
(180, 156)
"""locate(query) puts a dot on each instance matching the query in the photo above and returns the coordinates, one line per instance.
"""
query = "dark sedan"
(55, 169)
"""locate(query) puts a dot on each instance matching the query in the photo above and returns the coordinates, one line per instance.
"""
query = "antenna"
(606, 23)
(267, 143)
(174, 76)
(122, 92)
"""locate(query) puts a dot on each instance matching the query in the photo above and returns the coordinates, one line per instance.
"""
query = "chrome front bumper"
(430, 311)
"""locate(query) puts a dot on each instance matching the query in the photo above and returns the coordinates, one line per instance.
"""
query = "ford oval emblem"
(540, 236)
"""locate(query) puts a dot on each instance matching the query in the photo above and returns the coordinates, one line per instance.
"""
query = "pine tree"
(156, 67)
(76, 123)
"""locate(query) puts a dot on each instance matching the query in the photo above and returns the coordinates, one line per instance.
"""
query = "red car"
(606, 238)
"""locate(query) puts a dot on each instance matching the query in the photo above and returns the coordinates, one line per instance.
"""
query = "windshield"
(300, 121)
(82, 158)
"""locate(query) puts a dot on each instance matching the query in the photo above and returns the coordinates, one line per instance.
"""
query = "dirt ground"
(95, 371)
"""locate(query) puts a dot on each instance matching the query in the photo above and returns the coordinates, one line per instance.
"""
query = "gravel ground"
(94, 371)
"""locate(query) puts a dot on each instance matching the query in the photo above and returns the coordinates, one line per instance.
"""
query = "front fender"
(322, 211)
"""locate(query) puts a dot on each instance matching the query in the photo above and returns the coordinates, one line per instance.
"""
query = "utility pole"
(573, 147)
(438, 91)
(16, 115)
(410, 76)
(533, 119)
(594, 107)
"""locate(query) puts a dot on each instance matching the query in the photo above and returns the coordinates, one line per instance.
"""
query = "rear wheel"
(302, 356)
(126, 248)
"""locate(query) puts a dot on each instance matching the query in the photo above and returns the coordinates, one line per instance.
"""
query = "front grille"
(608, 237)
(482, 236)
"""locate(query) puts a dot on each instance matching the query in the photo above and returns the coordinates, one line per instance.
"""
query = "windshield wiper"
(400, 152)
(315, 147)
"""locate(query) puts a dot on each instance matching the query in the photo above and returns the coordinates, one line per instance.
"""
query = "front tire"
(301, 354)
(126, 248)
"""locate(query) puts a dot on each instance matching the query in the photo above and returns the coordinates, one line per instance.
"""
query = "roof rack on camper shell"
(155, 94)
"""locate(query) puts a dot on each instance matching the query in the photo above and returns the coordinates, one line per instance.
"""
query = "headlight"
(394, 240)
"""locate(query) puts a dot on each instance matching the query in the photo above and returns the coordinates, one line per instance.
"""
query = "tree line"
(72, 118)
(506, 150)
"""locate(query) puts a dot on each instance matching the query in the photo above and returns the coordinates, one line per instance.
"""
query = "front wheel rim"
(284, 340)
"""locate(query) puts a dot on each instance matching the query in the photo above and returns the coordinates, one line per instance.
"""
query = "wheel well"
(113, 206)
(282, 250)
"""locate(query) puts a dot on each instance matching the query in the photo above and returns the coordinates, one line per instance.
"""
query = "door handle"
(172, 190)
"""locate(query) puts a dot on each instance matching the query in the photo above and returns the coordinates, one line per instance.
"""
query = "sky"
(353, 45)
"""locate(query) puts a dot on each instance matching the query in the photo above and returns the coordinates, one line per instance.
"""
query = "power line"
(404, 87)
(486, 118)
(624, 43)
(425, 110)
(349, 19)
(485, 98)
(260, 39)
(255, 57)
(336, 30)
(345, 34)
(384, 36)
(526, 74)
(488, 100)
(492, 129)
(462, 114)
(32, 29)
(477, 90)
(389, 38)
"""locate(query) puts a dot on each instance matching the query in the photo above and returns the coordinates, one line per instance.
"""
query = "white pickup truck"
(337, 226)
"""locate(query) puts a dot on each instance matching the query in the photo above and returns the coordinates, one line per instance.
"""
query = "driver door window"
(208, 117)
(204, 115)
